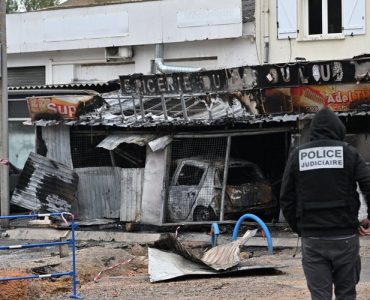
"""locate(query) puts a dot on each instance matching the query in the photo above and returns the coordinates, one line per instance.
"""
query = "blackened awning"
(155, 142)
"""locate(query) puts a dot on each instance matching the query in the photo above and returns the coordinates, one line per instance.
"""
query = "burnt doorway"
(200, 190)
(269, 152)
(192, 188)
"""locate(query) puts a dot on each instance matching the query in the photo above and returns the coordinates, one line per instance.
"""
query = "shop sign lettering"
(241, 78)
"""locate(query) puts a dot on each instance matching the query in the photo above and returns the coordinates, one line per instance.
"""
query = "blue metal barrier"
(71, 242)
(261, 223)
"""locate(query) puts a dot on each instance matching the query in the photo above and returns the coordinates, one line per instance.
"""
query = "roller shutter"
(26, 76)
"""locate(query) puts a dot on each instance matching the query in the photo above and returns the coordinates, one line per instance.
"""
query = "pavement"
(195, 240)
(280, 238)
(49, 234)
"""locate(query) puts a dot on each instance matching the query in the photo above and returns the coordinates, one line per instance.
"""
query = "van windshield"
(245, 174)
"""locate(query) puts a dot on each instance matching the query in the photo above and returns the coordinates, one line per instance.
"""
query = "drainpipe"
(162, 68)
(266, 32)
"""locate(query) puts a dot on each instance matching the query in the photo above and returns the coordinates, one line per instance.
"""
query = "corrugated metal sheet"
(222, 257)
(99, 192)
(42, 86)
(18, 93)
(165, 265)
(45, 185)
(114, 140)
(154, 176)
(90, 88)
(169, 242)
(54, 137)
(112, 120)
(130, 113)
(226, 256)
(160, 143)
(131, 189)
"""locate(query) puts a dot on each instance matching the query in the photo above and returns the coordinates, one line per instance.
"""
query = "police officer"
(320, 202)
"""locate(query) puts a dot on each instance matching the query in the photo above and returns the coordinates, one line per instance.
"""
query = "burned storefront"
(201, 146)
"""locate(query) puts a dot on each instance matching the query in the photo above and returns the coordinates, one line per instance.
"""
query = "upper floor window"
(320, 18)
(324, 16)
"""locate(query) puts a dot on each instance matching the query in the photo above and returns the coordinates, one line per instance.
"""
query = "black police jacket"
(319, 188)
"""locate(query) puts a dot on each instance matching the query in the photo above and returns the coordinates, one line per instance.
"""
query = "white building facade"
(310, 29)
(98, 43)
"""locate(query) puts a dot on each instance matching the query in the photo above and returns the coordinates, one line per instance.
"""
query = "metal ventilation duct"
(162, 68)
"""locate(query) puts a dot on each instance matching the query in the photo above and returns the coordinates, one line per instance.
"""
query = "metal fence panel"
(195, 184)
(131, 189)
(99, 192)
(57, 141)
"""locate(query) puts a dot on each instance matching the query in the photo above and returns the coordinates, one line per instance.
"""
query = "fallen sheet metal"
(226, 256)
(171, 259)
(222, 257)
(169, 242)
(45, 186)
(165, 265)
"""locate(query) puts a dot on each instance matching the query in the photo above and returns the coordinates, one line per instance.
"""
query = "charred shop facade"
(201, 146)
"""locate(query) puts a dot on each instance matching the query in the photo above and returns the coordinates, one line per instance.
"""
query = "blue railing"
(261, 223)
(215, 231)
(71, 243)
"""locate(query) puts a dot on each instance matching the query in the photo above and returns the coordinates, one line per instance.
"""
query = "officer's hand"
(364, 228)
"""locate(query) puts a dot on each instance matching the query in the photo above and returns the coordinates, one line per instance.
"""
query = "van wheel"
(203, 214)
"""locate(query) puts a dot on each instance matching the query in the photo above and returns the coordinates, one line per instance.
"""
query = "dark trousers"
(331, 262)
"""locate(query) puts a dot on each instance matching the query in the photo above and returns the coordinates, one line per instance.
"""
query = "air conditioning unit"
(118, 53)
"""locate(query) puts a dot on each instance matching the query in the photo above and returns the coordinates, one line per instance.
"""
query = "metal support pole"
(208, 103)
(210, 117)
(164, 107)
(112, 159)
(141, 107)
(226, 170)
(4, 152)
(183, 105)
(75, 295)
(133, 106)
(120, 107)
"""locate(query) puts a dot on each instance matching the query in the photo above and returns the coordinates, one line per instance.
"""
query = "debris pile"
(169, 259)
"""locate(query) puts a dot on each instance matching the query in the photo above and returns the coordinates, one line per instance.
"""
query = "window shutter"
(287, 19)
(353, 12)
